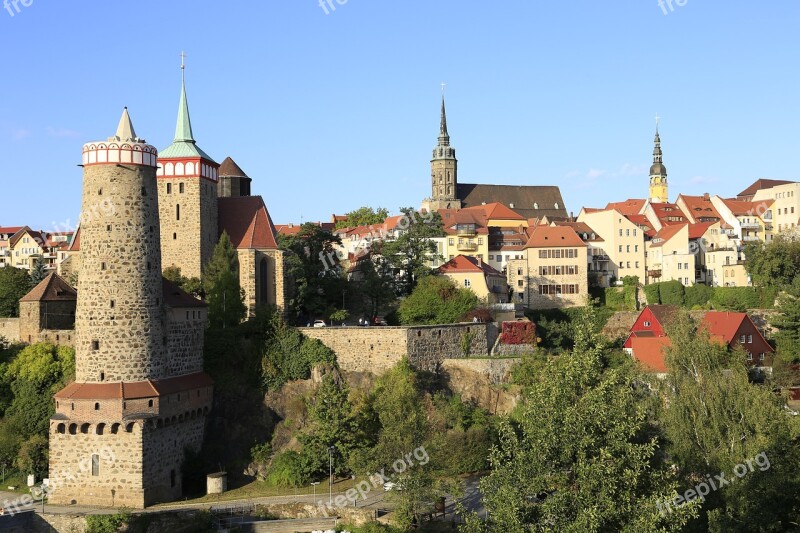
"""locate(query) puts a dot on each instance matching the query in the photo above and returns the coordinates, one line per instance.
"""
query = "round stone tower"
(120, 329)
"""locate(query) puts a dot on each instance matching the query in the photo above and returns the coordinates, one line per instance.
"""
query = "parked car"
(320, 324)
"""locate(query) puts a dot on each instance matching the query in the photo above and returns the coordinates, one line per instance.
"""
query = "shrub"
(287, 470)
(698, 295)
(672, 293)
(436, 300)
(735, 298)
(107, 523)
(518, 333)
(651, 292)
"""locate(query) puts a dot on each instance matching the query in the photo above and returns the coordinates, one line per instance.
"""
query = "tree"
(193, 286)
(436, 300)
(224, 293)
(14, 284)
(579, 455)
(38, 272)
(33, 455)
(788, 321)
(314, 268)
(714, 420)
(376, 286)
(363, 216)
(774, 264)
(288, 355)
(410, 254)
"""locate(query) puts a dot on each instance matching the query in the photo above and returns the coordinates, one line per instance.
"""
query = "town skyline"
(274, 110)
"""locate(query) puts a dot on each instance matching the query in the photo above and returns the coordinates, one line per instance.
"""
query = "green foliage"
(290, 356)
(436, 300)
(622, 299)
(38, 273)
(14, 284)
(364, 216)
(697, 295)
(261, 453)
(413, 250)
(107, 523)
(652, 293)
(314, 270)
(672, 293)
(743, 298)
(775, 264)
(714, 420)
(372, 527)
(630, 281)
(193, 286)
(556, 327)
(578, 457)
(287, 470)
(339, 316)
(224, 294)
(788, 321)
(376, 288)
(32, 455)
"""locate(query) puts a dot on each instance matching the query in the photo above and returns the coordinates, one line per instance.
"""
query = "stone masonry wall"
(9, 329)
(196, 231)
(378, 349)
(119, 320)
(250, 264)
(185, 330)
(163, 454)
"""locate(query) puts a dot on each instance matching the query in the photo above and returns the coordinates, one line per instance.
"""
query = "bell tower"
(444, 171)
(659, 188)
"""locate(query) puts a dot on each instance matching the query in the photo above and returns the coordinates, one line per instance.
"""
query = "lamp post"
(330, 480)
(314, 484)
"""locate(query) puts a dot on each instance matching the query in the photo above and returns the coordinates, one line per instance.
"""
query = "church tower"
(140, 396)
(444, 171)
(187, 189)
(659, 189)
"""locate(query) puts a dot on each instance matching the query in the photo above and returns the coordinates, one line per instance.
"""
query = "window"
(519, 283)
(741, 339)
(636, 248)
(628, 248)
(169, 188)
(180, 188)
(647, 323)
(480, 241)
(749, 339)
(95, 345)
(95, 465)
(620, 232)
(686, 266)
(637, 264)
(749, 356)
(634, 233)
(177, 211)
(97, 407)
(761, 356)
(680, 266)
(620, 248)
(519, 272)
(450, 241)
(491, 258)
(466, 283)
(627, 233)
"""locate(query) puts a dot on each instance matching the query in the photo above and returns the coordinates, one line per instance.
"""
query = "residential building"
(783, 201)
(597, 259)
(670, 257)
(736, 330)
(474, 274)
(553, 272)
(5, 248)
(26, 248)
(623, 244)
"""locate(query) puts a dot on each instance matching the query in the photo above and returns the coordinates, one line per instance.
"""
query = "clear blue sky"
(330, 112)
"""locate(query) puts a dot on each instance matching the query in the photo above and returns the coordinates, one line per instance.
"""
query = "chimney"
(480, 262)
(706, 197)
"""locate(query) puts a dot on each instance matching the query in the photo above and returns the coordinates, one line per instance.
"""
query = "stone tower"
(140, 397)
(233, 182)
(187, 189)
(444, 171)
(659, 189)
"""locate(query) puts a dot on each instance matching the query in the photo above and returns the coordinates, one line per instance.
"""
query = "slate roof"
(247, 222)
(523, 198)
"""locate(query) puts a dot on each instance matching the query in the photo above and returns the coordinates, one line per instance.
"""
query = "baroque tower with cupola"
(444, 171)
(187, 189)
(659, 188)
(140, 396)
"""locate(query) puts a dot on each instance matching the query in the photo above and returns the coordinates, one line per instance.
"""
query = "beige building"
(623, 243)
(553, 272)
(670, 256)
(472, 273)
(26, 247)
(783, 201)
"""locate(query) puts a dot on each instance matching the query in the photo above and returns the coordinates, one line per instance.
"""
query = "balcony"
(751, 238)
(750, 225)
(466, 231)
(654, 273)
(467, 247)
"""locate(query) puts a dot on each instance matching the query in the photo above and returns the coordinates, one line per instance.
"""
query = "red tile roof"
(581, 228)
(666, 233)
(496, 211)
(247, 222)
(742, 208)
(649, 351)
(700, 206)
(628, 207)
(10, 230)
(663, 211)
(554, 237)
(698, 230)
(643, 223)
(465, 264)
(135, 390)
(51, 289)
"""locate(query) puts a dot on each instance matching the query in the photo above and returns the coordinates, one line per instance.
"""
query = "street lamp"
(314, 484)
(330, 480)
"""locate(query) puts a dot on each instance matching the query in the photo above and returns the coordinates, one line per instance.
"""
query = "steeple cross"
(183, 60)
(444, 85)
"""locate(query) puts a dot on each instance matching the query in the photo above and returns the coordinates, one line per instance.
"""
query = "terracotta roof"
(663, 313)
(553, 237)
(247, 222)
(581, 228)
(496, 211)
(700, 206)
(35, 235)
(10, 230)
(643, 223)
(762, 184)
(464, 264)
(177, 298)
(75, 245)
(134, 390)
(698, 230)
(649, 351)
(523, 197)
(230, 169)
(628, 207)
(51, 289)
(666, 233)
(664, 210)
(743, 208)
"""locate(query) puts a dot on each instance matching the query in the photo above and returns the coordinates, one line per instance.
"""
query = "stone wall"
(9, 328)
(59, 337)
(163, 455)
(185, 340)
(196, 230)
(483, 381)
(260, 267)
(377, 349)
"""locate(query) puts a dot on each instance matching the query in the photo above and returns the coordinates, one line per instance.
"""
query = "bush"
(672, 293)
(107, 523)
(615, 298)
(436, 300)
(652, 293)
(518, 333)
(291, 356)
(698, 295)
(738, 298)
(287, 470)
